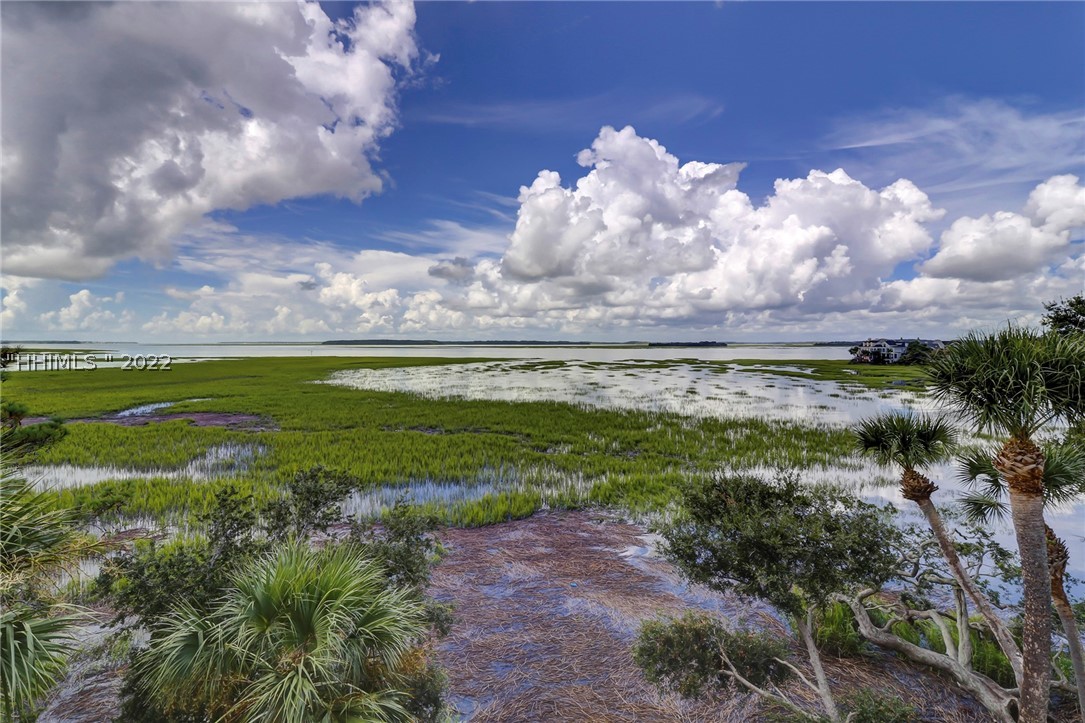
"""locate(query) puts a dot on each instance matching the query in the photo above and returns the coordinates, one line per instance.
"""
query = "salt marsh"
(695, 389)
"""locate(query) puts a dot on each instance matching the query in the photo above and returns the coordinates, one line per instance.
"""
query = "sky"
(728, 171)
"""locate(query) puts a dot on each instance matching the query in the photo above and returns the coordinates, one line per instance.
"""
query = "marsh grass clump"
(836, 632)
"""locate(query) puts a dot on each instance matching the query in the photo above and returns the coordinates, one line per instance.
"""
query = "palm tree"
(1064, 482)
(1013, 383)
(301, 635)
(913, 442)
(35, 541)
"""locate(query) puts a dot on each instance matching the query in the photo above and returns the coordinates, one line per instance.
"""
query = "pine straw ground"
(547, 610)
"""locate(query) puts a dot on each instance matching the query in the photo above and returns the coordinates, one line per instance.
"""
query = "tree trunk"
(998, 626)
(806, 631)
(993, 697)
(1021, 463)
(1058, 556)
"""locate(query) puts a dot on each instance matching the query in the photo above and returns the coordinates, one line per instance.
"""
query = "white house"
(891, 350)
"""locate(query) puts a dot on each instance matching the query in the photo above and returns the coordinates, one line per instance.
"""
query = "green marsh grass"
(554, 453)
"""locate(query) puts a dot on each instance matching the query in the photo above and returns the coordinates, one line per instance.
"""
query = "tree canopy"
(789, 544)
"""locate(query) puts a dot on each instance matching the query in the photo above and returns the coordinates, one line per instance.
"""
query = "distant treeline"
(525, 342)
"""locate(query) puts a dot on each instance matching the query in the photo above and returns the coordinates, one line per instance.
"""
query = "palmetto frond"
(35, 540)
(303, 635)
(34, 537)
(33, 653)
(1013, 381)
(911, 441)
(1064, 479)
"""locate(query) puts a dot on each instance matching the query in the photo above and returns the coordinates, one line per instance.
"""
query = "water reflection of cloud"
(726, 391)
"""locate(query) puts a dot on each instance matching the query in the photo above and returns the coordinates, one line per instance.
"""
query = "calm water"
(581, 353)
(689, 389)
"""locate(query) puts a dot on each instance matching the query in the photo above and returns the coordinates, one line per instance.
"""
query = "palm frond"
(34, 537)
(302, 635)
(983, 509)
(911, 441)
(33, 653)
(1012, 381)
(1064, 473)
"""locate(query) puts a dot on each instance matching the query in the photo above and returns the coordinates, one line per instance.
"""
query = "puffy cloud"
(124, 123)
(85, 311)
(1058, 203)
(643, 238)
(643, 245)
(1005, 245)
(13, 304)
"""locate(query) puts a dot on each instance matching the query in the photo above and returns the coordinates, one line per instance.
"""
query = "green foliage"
(684, 654)
(35, 636)
(33, 656)
(424, 684)
(789, 544)
(987, 657)
(917, 353)
(300, 635)
(837, 633)
(311, 503)
(870, 706)
(1065, 316)
(407, 550)
(911, 441)
(157, 582)
(1013, 381)
(35, 539)
(403, 544)
(150, 579)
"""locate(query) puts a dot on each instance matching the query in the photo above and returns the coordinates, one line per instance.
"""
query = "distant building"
(889, 351)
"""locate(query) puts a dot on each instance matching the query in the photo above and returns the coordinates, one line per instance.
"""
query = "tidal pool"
(218, 462)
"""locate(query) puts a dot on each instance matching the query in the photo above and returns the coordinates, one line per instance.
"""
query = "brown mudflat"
(547, 610)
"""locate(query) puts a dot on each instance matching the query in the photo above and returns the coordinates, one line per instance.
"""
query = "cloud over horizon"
(642, 244)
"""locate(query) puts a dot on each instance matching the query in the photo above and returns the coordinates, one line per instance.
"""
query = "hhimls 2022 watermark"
(68, 361)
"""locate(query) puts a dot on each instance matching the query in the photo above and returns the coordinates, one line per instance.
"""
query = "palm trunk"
(1022, 465)
(1058, 556)
(998, 626)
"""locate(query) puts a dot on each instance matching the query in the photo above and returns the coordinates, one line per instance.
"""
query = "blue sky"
(979, 106)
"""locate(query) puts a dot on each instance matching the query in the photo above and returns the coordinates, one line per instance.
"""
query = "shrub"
(868, 706)
(685, 655)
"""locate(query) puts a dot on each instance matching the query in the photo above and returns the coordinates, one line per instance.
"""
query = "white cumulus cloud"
(88, 312)
(1006, 245)
(644, 239)
(124, 123)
